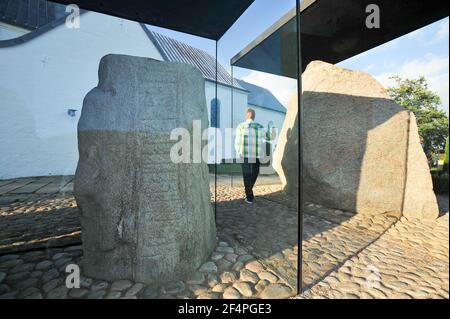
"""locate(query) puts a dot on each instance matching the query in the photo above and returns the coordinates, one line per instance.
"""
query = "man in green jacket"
(250, 147)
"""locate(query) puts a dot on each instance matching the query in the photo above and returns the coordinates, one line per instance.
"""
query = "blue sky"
(422, 52)
(258, 17)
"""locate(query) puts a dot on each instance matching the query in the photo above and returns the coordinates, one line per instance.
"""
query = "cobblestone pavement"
(38, 213)
(409, 261)
(344, 255)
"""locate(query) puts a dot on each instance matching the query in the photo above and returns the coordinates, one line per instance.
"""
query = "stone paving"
(344, 255)
(38, 213)
(409, 261)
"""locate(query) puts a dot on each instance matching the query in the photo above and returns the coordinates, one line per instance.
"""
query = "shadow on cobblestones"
(269, 230)
(38, 221)
(340, 249)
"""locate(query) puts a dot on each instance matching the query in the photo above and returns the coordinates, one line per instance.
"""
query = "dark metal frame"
(301, 202)
(205, 18)
(342, 34)
(293, 14)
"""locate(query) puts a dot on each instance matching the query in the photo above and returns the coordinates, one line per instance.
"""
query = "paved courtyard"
(344, 255)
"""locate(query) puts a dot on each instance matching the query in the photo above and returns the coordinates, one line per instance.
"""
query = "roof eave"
(35, 33)
(228, 86)
(267, 108)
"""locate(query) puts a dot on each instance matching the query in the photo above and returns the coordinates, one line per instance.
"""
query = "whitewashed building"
(46, 69)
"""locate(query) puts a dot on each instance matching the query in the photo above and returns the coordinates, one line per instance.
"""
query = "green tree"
(414, 95)
(446, 156)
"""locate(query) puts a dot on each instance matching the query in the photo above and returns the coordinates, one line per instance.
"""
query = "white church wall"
(227, 107)
(52, 73)
(264, 116)
(231, 115)
(42, 78)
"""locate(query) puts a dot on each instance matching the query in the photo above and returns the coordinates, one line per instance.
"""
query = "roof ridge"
(181, 42)
(253, 84)
(175, 50)
(262, 97)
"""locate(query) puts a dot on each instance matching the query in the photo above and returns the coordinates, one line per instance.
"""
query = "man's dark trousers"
(250, 172)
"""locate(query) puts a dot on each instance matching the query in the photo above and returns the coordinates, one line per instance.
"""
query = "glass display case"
(222, 149)
(262, 52)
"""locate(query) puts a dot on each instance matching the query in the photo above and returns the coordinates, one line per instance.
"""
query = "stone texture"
(135, 289)
(78, 293)
(396, 266)
(58, 293)
(420, 200)
(219, 288)
(209, 295)
(44, 265)
(231, 293)
(198, 290)
(97, 294)
(212, 280)
(144, 217)
(100, 285)
(244, 288)
(174, 288)
(276, 291)
(228, 277)
(208, 267)
(150, 292)
(285, 158)
(113, 295)
(254, 266)
(52, 284)
(261, 285)
(196, 279)
(270, 277)
(361, 150)
(247, 275)
(121, 285)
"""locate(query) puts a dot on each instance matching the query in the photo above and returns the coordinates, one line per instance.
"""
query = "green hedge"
(226, 169)
(440, 182)
(446, 157)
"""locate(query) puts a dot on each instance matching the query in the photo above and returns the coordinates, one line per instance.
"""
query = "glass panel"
(164, 165)
(257, 208)
(113, 97)
(363, 161)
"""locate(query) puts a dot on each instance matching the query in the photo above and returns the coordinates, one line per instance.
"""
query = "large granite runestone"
(286, 155)
(144, 217)
(361, 149)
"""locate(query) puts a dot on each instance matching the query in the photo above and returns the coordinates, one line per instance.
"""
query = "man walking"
(249, 145)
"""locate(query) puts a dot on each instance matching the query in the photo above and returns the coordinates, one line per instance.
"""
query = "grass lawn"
(235, 169)
(226, 169)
